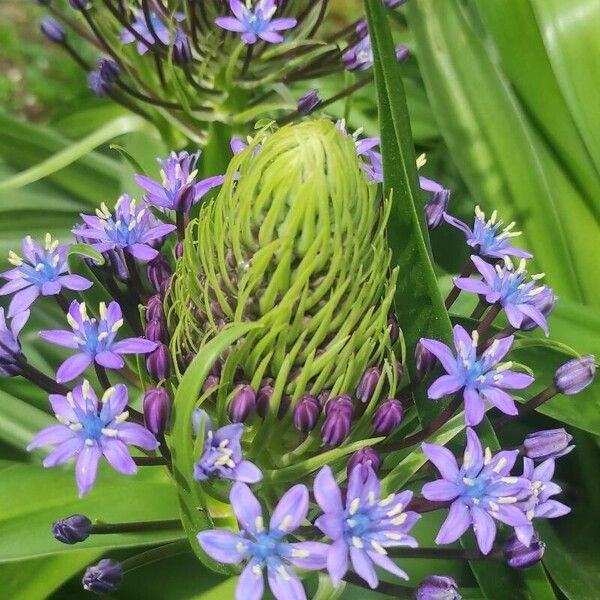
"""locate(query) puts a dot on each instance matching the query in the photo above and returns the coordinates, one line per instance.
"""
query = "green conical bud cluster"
(295, 241)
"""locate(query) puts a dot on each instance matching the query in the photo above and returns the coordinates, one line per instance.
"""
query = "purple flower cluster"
(156, 31)
(89, 430)
(360, 529)
(41, 271)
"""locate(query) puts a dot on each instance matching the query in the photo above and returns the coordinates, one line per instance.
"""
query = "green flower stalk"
(295, 241)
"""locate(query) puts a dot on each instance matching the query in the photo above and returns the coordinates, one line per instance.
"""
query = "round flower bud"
(263, 400)
(157, 409)
(550, 443)
(437, 587)
(53, 30)
(520, 556)
(309, 101)
(158, 363)
(424, 360)
(156, 331)
(343, 403)
(154, 308)
(158, 270)
(365, 459)
(388, 416)
(72, 530)
(575, 375)
(103, 578)
(242, 404)
(306, 413)
(367, 385)
(210, 382)
(402, 54)
(337, 426)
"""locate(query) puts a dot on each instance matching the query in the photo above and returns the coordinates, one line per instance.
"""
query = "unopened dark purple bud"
(424, 360)
(263, 400)
(156, 331)
(343, 402)
(157, 409)
(388, 416)
(10, 351)
(179, 249)
(545, 302)
(158, 270)
(210, 382)
(154, 308)
(306, 413)
(182, 51)
(158, 363)
(308, 102)
(437, 587)
(402, 54)
(367, 385)
(520, 556)
(72, 530)
(78, 4)
(393, 328)
(399, 370)
(550, 443)
(436, 207)
(366, 458)
(52, 29)
(575, 375)
(242, 404)
(103, 578)
(336, 427)
(109, 68)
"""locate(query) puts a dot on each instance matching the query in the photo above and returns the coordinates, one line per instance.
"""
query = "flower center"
(264, 547)
(92, 426)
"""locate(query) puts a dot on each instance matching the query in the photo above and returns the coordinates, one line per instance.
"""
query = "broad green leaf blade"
(32, 498)
(75, 151)
(419, 305)
(193, 511)
(488, 136)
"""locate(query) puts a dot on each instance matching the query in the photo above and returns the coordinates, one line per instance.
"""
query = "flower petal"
(284, 583)
(115, 452)
(223, 546)
(440, 490)
(133, 346)
(22, 300)
(75, 282)
(14, 285)
(444, 385)
(230, 24)
(473, 455)
(442, 353)
(385, 562)
(60, 338)
(311, 556)
(337, 561)
(501, 400)
(114, 402)
(142, 251)
(458, 224)
(474, 407)
(484, 528)
(110, 360)
(513, 380)
(456, 523)
(50, 436)
(290, 511)
(136, 435)
(87, 468)
(443, 459)
(551, 509)
(474, 286)
(363, 566)
(327, 492)
(62, 407)
(331, 524)
(247, 472)
(251, 584)
(73, 367)
(246, 508)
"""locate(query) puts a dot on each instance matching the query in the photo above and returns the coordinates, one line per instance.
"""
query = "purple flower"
(507, 286)
(10, 348)
(104, 577)
(437, 587)
(179, 189)
(360, 56)
(222, 454)
(520, 556)
(158, 27)
(481, 491)
(266, 548)
(479, 377)
(487, 237)
(41, 271)
(539, 503)
(364, 526)
(95, 340)
(436, 206)
(309, 101)
(366, 459)
(132, 229)
(255, 23)
(90, 430)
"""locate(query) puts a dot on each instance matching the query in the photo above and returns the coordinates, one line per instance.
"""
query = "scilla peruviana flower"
(266, 549)
(89, 430)
(477, 377)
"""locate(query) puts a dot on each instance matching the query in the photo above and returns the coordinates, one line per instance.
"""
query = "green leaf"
(32, 498)
(87, 251)
(75, 151)
(192, 503)
(419, 305)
